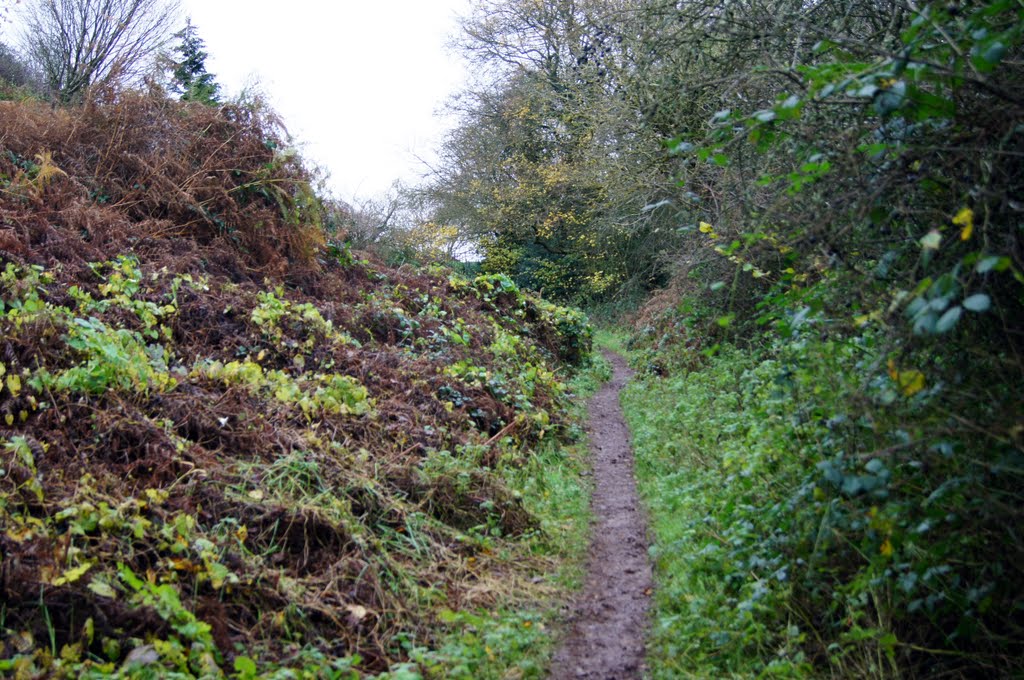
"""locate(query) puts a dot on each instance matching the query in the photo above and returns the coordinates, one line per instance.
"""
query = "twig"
(502, 432)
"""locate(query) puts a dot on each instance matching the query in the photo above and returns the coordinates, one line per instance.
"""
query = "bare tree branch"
(80, 43)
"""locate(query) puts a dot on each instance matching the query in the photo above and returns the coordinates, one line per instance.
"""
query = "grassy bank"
(517, 637)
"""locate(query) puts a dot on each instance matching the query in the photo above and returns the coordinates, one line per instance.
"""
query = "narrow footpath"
(609, 620)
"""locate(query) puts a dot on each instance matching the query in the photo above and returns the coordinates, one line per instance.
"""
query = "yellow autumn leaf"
(965, 220)
(910, 382)
(706, 228)
(20, 534)
(72, 575)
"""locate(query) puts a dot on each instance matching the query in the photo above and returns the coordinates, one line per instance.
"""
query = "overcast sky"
(359, 82)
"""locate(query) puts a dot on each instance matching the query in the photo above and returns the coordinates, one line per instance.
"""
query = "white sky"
(359, 83)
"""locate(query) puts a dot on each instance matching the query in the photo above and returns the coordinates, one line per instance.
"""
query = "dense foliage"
(841, 344)
(834, 191)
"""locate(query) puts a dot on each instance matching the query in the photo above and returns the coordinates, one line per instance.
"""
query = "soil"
(609, 620)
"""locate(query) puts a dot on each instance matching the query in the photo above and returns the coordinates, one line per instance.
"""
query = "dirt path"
(609, 621)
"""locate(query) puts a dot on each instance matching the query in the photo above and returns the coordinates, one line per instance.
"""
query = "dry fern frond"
(46, 171)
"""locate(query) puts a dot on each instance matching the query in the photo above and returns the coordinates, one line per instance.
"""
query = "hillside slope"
(227, 443)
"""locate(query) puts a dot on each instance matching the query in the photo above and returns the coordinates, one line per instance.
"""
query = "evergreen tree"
(190, 78)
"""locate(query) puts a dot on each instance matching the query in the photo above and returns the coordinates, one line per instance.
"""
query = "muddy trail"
(609, 619)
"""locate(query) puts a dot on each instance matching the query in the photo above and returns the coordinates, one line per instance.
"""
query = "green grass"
(697, 474)
(808, 519)
(613, 339)
(516, 637)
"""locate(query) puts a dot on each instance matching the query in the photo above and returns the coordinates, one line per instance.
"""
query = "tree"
(14, 71)
(553, 166)
(80, 43)
(191, 80)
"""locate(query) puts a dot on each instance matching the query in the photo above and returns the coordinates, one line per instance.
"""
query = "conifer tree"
(191, 80)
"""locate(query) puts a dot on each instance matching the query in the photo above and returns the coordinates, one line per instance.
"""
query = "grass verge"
(514, 638)
(814, 520)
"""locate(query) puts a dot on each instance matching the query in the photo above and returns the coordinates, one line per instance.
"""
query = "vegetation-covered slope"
(226, 444)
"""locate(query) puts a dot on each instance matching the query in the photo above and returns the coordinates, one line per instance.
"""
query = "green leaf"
(932, 240)
(103, 589)
(949, 319)
(868, 90)
(990, 57)
(979, 302)
(930, 105)
(992, 263)
(245, 667)
(791, 102)
(925, 323)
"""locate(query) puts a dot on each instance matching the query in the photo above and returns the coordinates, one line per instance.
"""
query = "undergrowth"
(231, 446)
(819, 510)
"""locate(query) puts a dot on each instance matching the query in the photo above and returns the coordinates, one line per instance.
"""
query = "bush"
(821, 505)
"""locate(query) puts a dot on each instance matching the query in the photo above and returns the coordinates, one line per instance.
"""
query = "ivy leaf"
(993, 262)
(949, 319)
(932, 240)
(979, 302)
(72, 575)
